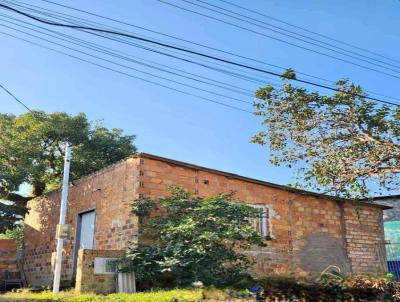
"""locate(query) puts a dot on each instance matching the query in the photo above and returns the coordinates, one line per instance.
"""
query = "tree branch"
(19, 199)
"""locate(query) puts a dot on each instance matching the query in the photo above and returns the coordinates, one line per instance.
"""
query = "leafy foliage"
(351, 288)
(32, 150)
(192, 239)
(340, 143)
(16, 234)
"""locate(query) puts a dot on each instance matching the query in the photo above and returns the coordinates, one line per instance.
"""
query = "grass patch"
(159, 296)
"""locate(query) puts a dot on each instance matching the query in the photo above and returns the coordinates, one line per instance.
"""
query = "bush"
(185, 239)
(358, 288)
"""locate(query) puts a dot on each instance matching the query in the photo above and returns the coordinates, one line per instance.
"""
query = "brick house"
(310, 231)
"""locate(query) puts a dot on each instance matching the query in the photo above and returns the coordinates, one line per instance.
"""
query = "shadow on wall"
(322, 250)
(40, 223)
(40, 228)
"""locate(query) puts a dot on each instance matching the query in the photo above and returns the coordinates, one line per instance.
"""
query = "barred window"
(262, 223)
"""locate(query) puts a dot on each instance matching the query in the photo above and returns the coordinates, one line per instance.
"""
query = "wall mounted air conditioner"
(105, 266)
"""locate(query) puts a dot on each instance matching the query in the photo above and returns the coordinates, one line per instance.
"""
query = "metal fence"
(393, 258)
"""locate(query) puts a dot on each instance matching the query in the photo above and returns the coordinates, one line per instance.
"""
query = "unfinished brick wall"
(317, 235)
(309, 231)
(364, 238)
(109, 192)
(8, 257)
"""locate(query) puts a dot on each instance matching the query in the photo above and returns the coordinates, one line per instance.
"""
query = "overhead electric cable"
(108, 36)
(185, 50)
(163, 34)
(177, 38)
(15, 98)
(284, 31)
(129, 75)
(121, 40)
(280, 40)
(124, 55)
(306, 30)
(129, 67)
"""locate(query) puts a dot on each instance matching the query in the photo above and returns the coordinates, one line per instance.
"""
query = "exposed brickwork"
(110, 192)
(364, 239)
(8, 257)
(310, 231)
(317, 235)
(87, 280)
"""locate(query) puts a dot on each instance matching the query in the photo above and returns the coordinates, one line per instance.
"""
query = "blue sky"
(182, 127)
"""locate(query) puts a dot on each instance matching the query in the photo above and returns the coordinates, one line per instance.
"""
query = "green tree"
(192, 239)
(32, 150)
(341, 144)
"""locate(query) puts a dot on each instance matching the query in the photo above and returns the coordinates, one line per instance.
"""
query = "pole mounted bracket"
(63, 231)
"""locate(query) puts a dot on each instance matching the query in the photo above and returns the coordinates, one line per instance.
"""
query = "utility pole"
(61, 227)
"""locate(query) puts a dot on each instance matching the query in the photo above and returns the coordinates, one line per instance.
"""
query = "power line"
(101, 50)
(243, 77)
(123, 55)
(188, 51)
(174, 37)
(121, 65)
(15, 98)
(67, 19)
(101, 47)
(134, 37)
(285, 31)
(246, 76)
(129, 75)
(279, 39)
(309, 31)
(163, 34)
(223, 71)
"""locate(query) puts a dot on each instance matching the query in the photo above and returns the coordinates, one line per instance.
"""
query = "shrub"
(358, 288)
(192, 239)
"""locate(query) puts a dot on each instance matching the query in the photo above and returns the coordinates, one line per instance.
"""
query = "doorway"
(85, 227)
(85, 238)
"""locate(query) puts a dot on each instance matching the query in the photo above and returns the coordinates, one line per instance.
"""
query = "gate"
(393, 258)
(392, 236)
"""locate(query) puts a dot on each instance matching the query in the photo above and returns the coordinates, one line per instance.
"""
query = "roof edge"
(229, 175)
(385, 197)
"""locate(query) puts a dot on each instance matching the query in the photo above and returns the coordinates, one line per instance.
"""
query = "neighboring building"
(391, 223)
(392, 201)
(391, 219)
(310, 231)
